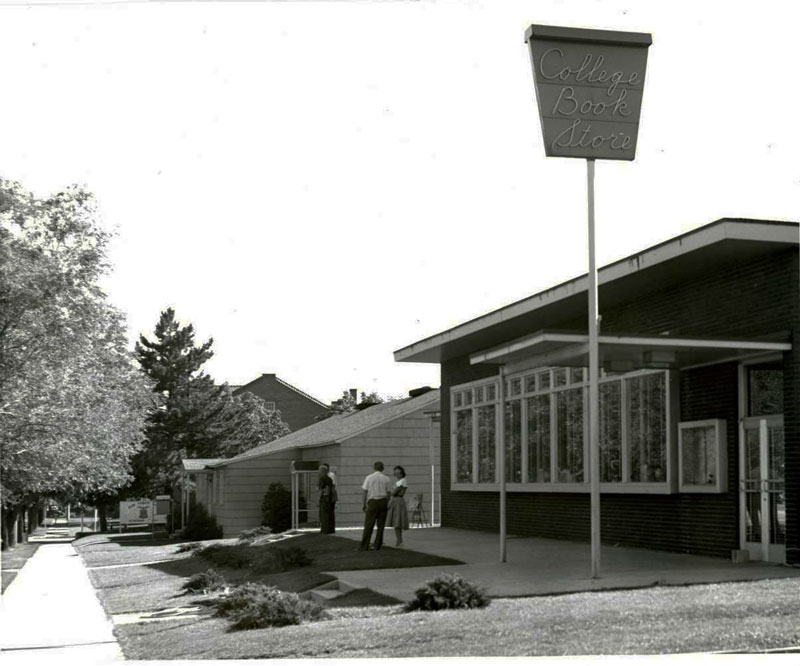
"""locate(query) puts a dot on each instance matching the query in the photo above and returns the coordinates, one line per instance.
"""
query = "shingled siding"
(749, 300)
(243, 486)
(405, 441)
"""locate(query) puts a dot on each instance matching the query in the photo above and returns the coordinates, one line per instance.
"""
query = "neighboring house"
(399, 432)
(298, 409)
(699, 401)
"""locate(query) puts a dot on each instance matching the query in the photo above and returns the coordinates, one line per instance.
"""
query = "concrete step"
(332, 590)
(325, 595)
(345, 586)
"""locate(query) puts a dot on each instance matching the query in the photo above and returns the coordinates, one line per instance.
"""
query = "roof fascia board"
(488, 355)
(654, 341)
(670, 249)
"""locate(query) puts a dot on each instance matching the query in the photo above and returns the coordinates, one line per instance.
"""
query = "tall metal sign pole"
(589, 87)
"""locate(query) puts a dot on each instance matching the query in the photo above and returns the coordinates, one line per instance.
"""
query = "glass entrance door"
(761, 488)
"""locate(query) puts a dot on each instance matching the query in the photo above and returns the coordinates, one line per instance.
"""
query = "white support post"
(433, 465)
(501, 457)
(594, 376)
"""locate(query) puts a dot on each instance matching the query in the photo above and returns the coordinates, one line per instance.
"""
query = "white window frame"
(269, 405)
(721, 467)
(669, 485)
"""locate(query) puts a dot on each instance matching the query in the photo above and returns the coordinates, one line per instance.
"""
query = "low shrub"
(201, 525)
(256, 606)
(262, 559)
(276, 507)
(206, 581)
(233, 557)
(248, 536)
(188, 547)
(273, 559)
(448, 591)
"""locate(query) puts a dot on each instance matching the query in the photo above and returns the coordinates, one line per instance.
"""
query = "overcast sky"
(318, 184)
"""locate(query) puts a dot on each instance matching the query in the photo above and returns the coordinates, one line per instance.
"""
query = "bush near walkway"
(256, 606)
(448, 592)
(204, 582)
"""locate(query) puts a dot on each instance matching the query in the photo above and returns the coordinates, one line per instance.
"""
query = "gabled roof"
(336, 429)
(196, 464)
(243, 387)
(303, 393)
(723, 243)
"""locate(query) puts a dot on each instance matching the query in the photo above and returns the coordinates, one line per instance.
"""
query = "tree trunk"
(102, 510)
(32, 513)
(20, 517)
(9, 528)
(41, 518)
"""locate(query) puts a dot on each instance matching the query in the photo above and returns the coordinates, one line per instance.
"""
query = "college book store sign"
(589, 88)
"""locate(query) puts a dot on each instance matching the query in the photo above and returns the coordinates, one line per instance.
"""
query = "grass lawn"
(732, 616)
(13, 561)
(749, 616)
(150, 587)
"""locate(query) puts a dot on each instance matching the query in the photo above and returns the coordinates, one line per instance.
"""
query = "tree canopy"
(72, 401)
(348, 403)
(196, 417)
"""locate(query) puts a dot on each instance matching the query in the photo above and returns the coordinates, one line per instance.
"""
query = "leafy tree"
(72, 402)
(195, 417)
(347, 403)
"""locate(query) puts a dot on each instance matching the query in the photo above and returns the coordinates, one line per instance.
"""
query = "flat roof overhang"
(621, 353)
(725, 243)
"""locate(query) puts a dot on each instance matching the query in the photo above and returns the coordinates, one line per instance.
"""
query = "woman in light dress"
(397, 516)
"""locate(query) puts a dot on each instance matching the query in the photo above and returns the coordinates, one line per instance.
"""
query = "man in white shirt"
(375, 493)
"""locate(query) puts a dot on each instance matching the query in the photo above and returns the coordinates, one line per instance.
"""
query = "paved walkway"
(547, 566)
(50, 613)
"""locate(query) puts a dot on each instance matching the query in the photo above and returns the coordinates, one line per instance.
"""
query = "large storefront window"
(545, 435)
(514, 441)
(464, 446)
(569, 408)
(648, 427)
(486, 447)
(610, 433)
(539, 438)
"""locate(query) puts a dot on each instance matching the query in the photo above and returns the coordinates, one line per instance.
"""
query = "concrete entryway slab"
(547, 566)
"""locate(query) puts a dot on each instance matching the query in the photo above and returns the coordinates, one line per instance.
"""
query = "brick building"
(699, 409)
(297, 408)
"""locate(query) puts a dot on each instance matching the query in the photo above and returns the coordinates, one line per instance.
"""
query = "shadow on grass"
(132, 539)
(328, 554)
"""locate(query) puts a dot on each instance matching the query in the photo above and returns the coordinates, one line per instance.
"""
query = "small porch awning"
(621, 353)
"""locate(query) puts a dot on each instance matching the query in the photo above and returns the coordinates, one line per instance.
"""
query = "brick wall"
(750, 300)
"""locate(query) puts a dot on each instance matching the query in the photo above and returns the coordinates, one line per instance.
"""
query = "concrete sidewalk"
(547, 566)
(50, 613)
